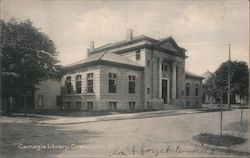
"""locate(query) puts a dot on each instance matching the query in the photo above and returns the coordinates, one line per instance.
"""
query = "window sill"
(112, 93)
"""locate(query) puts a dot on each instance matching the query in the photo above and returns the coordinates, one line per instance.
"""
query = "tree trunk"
(25, 106)
(221, 102)
(241, 115)
(8, 106)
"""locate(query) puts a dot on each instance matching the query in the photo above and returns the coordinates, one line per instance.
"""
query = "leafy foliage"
(29, 56)
(218, 82)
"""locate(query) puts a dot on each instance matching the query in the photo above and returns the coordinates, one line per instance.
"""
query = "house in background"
(207, 98)
(135, 73)
(48, 95)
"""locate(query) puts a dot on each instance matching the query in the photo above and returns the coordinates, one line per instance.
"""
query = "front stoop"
(171, 107)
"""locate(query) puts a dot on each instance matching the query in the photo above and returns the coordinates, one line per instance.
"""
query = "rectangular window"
(131, 84)
(68, 85)
(112, 106)
(138, 55)
(90, 87)
(148, 63)
(90, 105)
(131, 106)
(78, 83)
(112, 83)
(148, 90)
(59, 101)
(68, 105)
(187, 89)
(40, 100)
(164, 67)
(187, 103)
(78, 105)
(196, 89)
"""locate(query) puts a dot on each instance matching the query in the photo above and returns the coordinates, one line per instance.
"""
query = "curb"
(140, 116)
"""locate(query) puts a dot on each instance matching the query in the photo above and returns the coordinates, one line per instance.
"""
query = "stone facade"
(158, 75)
(193, 98)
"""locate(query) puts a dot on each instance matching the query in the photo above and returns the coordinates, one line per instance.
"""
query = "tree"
(29, 56)
(217, 84)
(219, 80)
(239, 78)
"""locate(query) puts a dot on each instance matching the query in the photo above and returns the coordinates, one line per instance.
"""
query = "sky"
(203, 27)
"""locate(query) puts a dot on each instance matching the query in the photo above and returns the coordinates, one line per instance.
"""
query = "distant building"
(48, 95)
(193, 90)
(207, 98)
(135, 73)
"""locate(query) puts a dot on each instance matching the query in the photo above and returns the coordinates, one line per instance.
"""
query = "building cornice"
(101, 62)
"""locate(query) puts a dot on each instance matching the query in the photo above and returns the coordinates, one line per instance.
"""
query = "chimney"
(92, 46)
(88, 52)
(129, 34)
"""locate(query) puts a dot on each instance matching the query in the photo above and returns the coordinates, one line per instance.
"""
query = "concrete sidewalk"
(63, 120)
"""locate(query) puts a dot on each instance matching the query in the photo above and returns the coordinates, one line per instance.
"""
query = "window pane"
(138, 55)
(78, 77)
(68, 86)
(90, 90)
(112, 86)
(78, 87)
(131, 87)
(90, 86)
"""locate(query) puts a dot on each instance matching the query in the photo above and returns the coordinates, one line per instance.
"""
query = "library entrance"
(165, 91)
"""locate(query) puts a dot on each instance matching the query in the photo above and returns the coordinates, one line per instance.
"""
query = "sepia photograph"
(124, 78)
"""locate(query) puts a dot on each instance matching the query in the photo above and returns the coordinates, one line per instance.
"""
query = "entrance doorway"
(165, 91)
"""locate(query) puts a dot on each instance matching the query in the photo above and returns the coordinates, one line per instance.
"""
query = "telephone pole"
(229, 79)
(1, 101)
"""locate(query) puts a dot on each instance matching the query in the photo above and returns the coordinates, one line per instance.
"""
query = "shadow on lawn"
(217, 140)
(15, 136)
(236, 126)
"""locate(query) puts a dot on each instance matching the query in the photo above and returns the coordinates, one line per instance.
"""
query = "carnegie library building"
(132, 74)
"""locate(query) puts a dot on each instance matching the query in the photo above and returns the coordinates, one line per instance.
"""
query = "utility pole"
(1, 82)
(221, 110)
(248, 102)
(229, 79)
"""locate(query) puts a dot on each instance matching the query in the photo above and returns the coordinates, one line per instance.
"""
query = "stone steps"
(172, 107)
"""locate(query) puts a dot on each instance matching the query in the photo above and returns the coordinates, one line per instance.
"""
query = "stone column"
(160, 78)
(174, 80)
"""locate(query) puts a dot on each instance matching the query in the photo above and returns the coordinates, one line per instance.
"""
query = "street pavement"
(167, 135)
